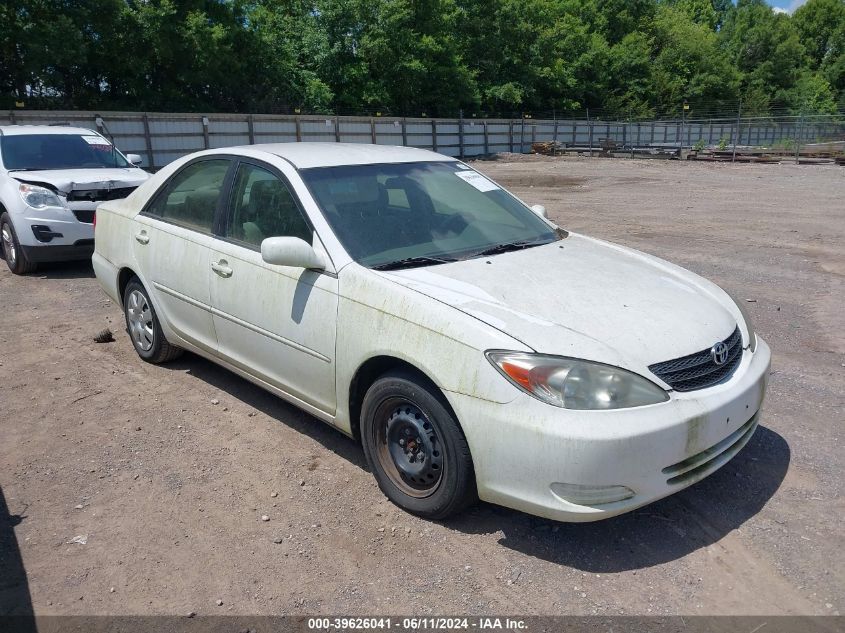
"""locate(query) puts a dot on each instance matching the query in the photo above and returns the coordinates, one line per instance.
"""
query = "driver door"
(278, 323)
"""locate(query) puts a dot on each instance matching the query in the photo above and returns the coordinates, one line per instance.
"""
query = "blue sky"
(786, 5)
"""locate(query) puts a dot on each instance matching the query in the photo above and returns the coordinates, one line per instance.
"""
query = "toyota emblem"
(719, 353)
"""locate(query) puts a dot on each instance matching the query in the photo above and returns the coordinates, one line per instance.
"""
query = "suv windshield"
(399, 215)
(32, 152)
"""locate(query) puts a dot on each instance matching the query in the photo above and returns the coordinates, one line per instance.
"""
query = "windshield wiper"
(505, 247)
(413, 262)
(25, 169)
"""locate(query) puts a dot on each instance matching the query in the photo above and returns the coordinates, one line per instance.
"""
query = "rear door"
(276, 322)
(174, 241)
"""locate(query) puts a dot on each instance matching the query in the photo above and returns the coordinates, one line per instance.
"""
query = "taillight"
(94, 221)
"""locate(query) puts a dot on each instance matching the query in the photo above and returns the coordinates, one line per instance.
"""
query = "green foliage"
(699, 145)
(625, 58)
(812, 94)
(821, 26)
(766, 49)
(723, 144)
(689, 64)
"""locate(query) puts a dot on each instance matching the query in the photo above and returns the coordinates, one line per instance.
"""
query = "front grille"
(99, 195)
(699, 370)
(86, 216)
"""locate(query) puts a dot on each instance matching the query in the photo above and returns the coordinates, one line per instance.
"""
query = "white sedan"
(474, 348)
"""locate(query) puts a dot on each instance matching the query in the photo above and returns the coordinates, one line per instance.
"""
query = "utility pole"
(736, 139)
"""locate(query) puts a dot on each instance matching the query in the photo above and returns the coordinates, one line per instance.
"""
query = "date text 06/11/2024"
(415, 624)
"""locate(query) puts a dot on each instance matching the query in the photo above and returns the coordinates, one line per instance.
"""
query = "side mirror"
(540, 210)
(135, 159)
(291, 251)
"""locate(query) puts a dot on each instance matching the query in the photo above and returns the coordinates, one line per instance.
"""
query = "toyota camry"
(473, 347)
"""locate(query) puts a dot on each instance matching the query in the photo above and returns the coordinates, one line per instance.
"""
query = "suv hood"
(587, 299)
(67, 180)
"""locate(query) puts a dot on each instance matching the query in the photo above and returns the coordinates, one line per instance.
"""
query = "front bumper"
(58, 221)
(528, 454)
(82, 249)
(55, 234)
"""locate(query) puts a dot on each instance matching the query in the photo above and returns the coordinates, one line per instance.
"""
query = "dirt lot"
(168, 488)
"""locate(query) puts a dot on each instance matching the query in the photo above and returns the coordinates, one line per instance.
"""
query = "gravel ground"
(127, 488)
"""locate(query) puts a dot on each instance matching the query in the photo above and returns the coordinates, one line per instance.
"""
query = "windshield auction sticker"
(97, 142)
(477, 180)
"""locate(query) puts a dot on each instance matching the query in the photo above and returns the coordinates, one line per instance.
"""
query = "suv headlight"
(752, 334)
(575, 384)
(39, 197)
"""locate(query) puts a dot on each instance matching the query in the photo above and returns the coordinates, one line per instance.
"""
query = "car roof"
(16, 130)
(305, 155)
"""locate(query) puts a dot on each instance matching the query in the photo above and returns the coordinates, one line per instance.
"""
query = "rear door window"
(191, 197)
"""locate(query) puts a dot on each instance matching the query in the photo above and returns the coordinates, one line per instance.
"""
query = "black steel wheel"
(415, 448)
(408, 448)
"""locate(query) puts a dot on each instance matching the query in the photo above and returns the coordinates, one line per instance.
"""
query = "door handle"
(142, 237)
(221, 268)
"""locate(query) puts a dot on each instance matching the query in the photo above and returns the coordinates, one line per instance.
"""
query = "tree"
(689, 65)
(821, 27)
(626, 58)
(820, 24)
(765, 48)
(631, 80)
(723, 9)
(291, 52)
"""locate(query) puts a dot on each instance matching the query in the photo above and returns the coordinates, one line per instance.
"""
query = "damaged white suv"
(51, 180)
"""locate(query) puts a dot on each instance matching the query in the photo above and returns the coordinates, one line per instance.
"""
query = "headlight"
(39, 197)
(575, 384)
(752, 335)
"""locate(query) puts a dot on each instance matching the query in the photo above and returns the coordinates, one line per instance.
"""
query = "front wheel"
(415, 447)
(13, 254)
(143, 326)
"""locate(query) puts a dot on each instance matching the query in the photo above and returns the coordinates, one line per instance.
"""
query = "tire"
(415, 447)
(12, 252)
(143, 326)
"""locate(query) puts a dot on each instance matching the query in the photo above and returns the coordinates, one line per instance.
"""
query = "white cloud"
(791, 8)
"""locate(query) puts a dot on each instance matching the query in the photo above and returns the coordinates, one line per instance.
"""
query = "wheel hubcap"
(140, 320)
(9, 244)
(410, 451)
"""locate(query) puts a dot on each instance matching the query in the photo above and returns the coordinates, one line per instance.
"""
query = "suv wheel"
(15, 258)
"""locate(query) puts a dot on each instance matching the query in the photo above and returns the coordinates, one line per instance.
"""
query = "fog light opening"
(591, 495)
(44, 233)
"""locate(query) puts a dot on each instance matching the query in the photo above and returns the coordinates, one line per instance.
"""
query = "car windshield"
(32, 152)
(399, 215)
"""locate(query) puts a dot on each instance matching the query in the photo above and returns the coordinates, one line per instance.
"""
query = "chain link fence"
(162, 137)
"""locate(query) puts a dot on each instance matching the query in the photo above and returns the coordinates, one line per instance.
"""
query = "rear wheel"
(13, 254)
(415, 447)
(143, 326)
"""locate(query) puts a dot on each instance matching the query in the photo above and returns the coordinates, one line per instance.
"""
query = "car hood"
(66, 180)
(585, 298)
